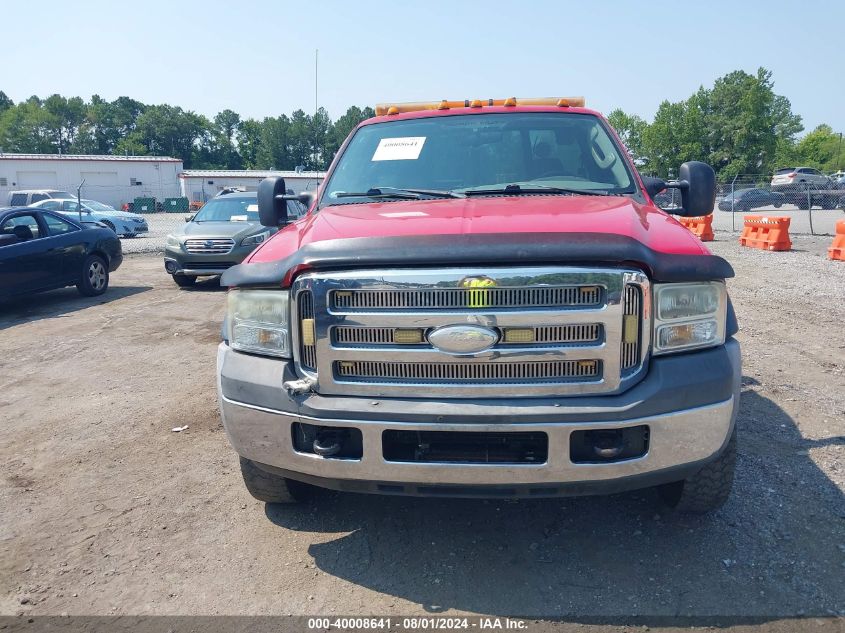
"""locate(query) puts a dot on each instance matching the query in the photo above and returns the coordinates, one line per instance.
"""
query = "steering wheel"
(608, 159)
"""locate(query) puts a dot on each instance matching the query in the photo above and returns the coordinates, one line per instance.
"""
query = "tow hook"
(328, 443)
(298, 387)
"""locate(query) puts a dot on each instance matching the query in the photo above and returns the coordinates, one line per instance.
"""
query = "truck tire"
(271, 488)
(706, 490)
(184, 281)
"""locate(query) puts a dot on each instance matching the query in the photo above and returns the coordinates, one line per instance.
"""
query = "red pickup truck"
(483, 300)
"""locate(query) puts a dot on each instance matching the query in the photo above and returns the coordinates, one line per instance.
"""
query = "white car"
(123, 223)
(788, 176)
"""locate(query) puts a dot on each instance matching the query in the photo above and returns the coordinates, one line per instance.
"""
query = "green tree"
(248, 138)
(5, 102)
(343, 127)
(630, 129)
(168, 130)
(822, 149)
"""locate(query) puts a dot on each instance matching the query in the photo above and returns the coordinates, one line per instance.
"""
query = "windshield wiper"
(515, 190)
(404, 194)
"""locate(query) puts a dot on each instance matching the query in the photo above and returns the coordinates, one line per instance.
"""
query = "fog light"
(170, 267)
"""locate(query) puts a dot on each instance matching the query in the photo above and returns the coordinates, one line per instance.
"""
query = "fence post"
(810, 208)
(733, 202)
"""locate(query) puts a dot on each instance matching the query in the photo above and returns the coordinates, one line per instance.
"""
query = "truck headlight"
(258, 321)
(689, 316)
(173, 241)
(255, 239)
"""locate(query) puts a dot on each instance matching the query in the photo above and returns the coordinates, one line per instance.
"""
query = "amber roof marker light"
(444, 104)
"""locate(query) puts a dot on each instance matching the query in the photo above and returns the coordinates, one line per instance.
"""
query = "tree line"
(125, 126)
(739, 125)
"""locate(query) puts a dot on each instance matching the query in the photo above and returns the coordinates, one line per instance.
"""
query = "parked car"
(123, 223)
(221, 234)
(41, 250)
(26, 197)
(788, 177)
(747, 199)
(548, 332)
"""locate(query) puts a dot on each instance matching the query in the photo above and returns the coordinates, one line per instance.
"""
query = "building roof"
(92, 157)
(248, 173)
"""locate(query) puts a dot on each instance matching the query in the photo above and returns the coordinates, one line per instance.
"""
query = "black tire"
(94, 276)
(184, 281)
(271, 488)
(706, 490)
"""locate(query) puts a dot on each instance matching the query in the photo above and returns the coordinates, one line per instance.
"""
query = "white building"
(114, 180)
(200, 185)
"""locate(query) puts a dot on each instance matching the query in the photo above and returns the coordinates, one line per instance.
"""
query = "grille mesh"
(306, 311)
(463, 298)
(631, 350)
(552, 371)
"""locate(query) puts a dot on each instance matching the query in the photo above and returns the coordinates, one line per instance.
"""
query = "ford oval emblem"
(463, 339)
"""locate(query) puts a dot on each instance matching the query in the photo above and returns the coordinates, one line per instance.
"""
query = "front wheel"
(94, 278)
(271, 488)
(184, 281)
(706, 490)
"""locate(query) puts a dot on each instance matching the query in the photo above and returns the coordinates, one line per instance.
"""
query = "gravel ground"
(105, 510)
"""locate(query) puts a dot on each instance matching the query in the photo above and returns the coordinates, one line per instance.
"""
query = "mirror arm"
(683, 185)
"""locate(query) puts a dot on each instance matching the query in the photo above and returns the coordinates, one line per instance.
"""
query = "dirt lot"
(105, 510)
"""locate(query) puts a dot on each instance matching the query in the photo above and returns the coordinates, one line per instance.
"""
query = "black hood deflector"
(491, 249)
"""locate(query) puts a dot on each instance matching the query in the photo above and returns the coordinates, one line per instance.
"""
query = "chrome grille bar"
(549, 334)
(475, 297)
(502, 373)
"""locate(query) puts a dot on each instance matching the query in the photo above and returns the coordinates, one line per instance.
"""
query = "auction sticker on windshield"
(400, 148)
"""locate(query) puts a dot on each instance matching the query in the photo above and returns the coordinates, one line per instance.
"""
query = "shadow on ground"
(774, 551)
(58, 303)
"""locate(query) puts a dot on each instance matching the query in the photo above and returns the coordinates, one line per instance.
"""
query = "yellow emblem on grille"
(477, 296)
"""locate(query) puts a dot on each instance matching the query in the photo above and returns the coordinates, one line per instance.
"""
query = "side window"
(70, 205)
(37, 197)
(18, 200)
(52, 205)
(24, 227)
(58, 226)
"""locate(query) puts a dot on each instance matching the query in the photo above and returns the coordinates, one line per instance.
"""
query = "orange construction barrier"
(837, 249)
(766, 232)
(701, 226)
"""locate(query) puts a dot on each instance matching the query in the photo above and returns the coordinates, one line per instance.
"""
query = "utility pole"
(79, 199)
(316, 102)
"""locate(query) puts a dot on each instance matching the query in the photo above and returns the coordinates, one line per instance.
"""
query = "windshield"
(96, 206)
(489, 151)
(240, 209)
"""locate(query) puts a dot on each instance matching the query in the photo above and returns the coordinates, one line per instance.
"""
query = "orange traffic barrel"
(837, 249)
(766, 232)
(701, 226)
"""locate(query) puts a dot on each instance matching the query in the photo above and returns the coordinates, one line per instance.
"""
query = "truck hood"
(613, 215)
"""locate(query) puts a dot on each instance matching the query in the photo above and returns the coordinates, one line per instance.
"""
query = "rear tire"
(271, 488)
(184, 281)
(94, 276)
(706, 490)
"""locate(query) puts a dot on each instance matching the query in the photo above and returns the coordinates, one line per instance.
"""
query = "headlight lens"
(689, 316)
(172, 240)
(255, 239)
(258, 321)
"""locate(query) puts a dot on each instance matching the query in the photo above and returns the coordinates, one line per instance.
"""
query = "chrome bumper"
(677, 439)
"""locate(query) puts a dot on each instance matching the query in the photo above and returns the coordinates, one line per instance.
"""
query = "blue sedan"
(123, 223)
(41, 250)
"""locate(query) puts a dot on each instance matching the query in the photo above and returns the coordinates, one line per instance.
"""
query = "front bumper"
(179, 262)
(258, 414)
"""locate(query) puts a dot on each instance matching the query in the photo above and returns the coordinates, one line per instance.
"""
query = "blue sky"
(257, 58)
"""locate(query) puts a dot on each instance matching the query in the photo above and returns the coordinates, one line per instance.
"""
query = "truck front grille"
(558, 331)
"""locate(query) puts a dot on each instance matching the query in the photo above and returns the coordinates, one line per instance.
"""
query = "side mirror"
(272, 206)
(188, 218)
(697, 183)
